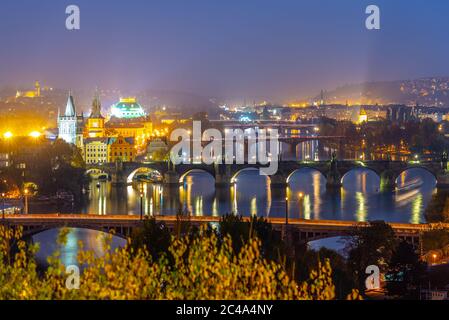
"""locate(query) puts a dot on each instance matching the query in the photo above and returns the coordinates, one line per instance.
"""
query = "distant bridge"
(225, 174)
(299, 230)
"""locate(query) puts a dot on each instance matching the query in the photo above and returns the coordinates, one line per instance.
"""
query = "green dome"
(127, 108)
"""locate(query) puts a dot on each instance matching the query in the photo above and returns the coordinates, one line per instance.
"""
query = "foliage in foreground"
(438, 208)
(203, 268)
(436, 241)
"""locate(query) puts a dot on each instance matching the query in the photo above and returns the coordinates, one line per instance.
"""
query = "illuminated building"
(68, 123)
(36, 93)
(121, 149)
(127, 108)
(88, 134)
(95, 150)
(138, 128)
(363, 117)
(95, 123)
(5, 160)
(129, 120)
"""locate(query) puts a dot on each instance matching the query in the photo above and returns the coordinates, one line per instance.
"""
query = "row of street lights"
(34, 134)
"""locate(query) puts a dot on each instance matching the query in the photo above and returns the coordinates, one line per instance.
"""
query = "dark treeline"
(373, 245)
(418, 137)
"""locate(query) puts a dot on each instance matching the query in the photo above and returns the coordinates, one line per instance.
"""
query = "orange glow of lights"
(35, 134)
(7, 135)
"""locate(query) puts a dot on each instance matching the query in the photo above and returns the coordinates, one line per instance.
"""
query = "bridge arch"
(120, 232)
(238, 172)
(131, 175)
(92, 172)
(195, 170)
(291, 174)
(361, 168)
(427, 171)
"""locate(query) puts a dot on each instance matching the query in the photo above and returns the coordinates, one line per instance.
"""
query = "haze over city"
(278, 51)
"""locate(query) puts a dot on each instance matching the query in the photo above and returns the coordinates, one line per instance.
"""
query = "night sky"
(280, 49)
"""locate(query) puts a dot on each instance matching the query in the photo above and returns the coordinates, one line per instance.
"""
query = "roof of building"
(114, 139)
(70, 110)
(112, 125)
(96, 108)
(127, 108)
(91, 140)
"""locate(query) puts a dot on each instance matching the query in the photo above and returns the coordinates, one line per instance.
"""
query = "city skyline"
(249, 151)
(281, 52)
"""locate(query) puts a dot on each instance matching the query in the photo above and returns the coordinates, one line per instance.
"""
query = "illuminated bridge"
(225, 174)
(298, 230)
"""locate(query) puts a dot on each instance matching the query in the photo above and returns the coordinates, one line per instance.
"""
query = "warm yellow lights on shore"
(7, 135)
(35, 134)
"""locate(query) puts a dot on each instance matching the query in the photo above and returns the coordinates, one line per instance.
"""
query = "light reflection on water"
(358, 200)
(92, 240)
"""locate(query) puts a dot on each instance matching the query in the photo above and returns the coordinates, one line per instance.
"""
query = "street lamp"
(300, 196)
(26, 201)
(141, 206)
(434, 256)
(141, 201)
(286, 210)
(3, 205)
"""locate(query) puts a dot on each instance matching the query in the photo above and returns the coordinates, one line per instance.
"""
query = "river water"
(358, 200)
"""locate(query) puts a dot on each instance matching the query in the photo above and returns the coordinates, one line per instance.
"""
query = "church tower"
(37, 88)
(363, 116)
(67, 123)
(95, 122)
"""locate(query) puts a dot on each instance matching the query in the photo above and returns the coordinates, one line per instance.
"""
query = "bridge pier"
(118, 179)
(278, 181)
(443, 181)
(333, 181)
(333, 178)
(387, 181)
(223, 194)
(288, 150)
(223, 180)
(223, 176)
(278, 195)
(171, 204)
(171, 178)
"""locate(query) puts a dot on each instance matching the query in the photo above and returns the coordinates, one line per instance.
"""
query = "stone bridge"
(297, 230)
(225, 174)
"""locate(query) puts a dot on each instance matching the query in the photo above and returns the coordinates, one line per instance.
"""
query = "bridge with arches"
(225, 174)
(296, 230)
